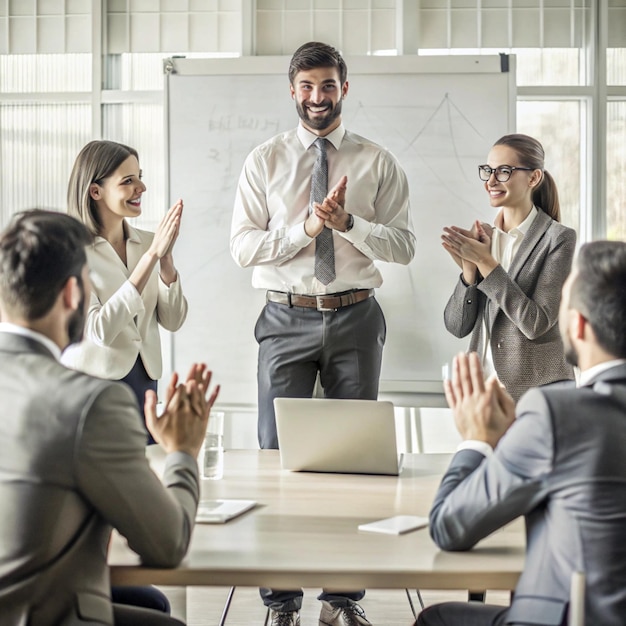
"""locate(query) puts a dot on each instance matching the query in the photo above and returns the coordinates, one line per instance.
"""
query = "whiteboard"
(438, 115)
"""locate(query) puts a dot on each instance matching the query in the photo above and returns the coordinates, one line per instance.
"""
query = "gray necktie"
(324, 249)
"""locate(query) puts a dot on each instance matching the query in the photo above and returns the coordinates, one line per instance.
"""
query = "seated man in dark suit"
(557, 459)
(73, 462)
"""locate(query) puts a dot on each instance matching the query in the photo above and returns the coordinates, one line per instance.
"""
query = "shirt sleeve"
(390, 237)
(251, 241)
(480, 446)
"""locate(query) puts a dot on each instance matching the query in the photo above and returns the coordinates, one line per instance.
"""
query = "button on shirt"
(504, 247)
(272, 204)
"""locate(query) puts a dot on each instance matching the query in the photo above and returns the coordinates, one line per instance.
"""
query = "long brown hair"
(530, 153)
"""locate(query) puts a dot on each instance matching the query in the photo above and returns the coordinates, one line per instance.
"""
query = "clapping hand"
(467, 245)
(330, 212)
(167, 231)
(182, 425)
(483, 410)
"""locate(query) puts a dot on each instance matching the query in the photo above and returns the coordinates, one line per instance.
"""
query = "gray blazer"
(522, 309)
(561, 465)
(73, 466)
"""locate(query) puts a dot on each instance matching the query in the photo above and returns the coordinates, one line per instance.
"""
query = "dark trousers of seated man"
(346, 347)
(467, 614)
(141, 606)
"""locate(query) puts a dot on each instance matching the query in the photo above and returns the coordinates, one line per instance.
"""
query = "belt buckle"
(320, 307)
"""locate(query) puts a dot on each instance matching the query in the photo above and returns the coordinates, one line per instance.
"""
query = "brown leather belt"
(326, 302)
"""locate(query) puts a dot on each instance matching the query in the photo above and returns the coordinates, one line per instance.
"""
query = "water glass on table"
(213, 448)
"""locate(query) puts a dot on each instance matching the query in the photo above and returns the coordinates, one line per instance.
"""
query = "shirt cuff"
(298, 237)
(359, 232)
(479, 446)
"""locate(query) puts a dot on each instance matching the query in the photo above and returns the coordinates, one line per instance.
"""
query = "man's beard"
(76, 325)
(571, 355)
(319, 122)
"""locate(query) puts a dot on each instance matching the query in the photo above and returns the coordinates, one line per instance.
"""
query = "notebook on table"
(220, 511)
(338, 436)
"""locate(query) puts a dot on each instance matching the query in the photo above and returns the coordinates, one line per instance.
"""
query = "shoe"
(284, 618)
(351, 615)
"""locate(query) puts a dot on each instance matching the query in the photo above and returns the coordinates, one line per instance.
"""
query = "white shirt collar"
(523, 227)
(596, 370)
(6, 327)
(307, 138)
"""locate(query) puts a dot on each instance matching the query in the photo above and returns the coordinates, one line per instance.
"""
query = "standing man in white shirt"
(331, 322)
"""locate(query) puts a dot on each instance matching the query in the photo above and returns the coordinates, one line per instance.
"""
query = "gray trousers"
(345, 346)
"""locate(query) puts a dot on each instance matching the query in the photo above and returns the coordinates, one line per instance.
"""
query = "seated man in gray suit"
(557, 458)
(73, 462)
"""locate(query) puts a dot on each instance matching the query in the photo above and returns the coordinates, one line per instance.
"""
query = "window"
(48, 61)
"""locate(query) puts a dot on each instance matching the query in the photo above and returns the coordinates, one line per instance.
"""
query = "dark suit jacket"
(522, 309)
(562, 466)
(73, 466)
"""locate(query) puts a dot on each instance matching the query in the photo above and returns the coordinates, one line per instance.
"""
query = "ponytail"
(546, 197)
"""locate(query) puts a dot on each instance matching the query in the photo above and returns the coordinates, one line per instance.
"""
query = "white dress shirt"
(272, 204)
(504, 247)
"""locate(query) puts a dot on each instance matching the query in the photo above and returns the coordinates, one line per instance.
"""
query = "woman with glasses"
(509, 290)
(135, 285)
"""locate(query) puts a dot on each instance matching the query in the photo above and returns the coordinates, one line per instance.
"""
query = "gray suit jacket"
(73, 466)
(522, 307)
(561, 465)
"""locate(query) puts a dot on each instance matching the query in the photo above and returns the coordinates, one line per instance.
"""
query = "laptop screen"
(339, 436)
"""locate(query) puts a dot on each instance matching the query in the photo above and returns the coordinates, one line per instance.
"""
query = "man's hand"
(338, 192)
(314, 224)
(483, 410)
(330, 212)
(183, 423)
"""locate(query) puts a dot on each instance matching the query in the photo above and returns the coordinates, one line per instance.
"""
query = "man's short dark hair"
(314, 54)
(598, 292)
(39, 251)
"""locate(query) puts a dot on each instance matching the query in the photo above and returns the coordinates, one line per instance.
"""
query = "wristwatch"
(350, 223)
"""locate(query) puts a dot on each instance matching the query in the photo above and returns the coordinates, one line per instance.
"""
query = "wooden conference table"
(303, 533)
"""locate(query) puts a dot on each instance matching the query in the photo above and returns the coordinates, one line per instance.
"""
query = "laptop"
(338, 436)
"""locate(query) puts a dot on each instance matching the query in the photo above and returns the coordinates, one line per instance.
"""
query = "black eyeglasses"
(503, 172)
